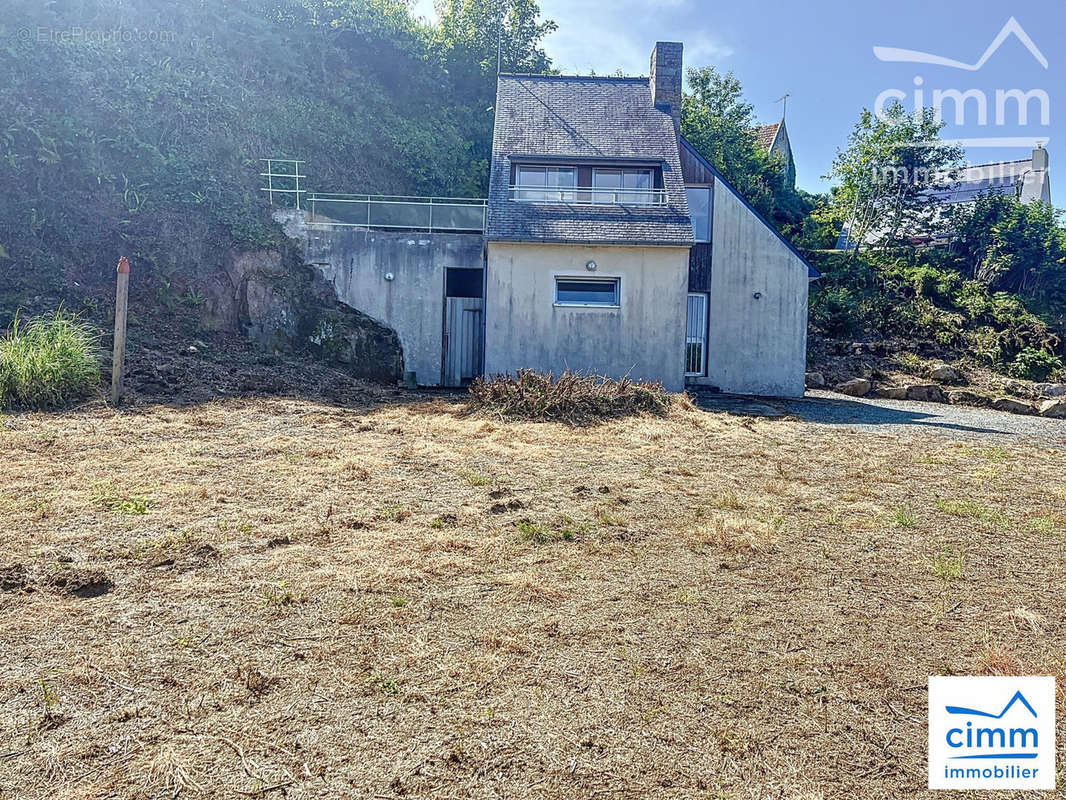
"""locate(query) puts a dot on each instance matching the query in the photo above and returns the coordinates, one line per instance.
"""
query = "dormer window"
(588, 184)
(610, 186)
(545, 184)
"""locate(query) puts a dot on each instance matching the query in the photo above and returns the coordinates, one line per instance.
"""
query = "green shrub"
(48, 362)
(835, 310)
(572, 398)
(1035, 365)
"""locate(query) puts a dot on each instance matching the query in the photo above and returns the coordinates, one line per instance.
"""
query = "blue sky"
(822, 53)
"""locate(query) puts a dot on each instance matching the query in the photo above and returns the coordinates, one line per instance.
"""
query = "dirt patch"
(14, 578)
(79, 582)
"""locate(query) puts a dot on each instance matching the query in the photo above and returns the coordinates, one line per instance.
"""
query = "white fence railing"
(283, 179)
(432, 214)
(588, 195)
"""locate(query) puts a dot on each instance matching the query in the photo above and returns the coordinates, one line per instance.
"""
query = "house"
(1028, 179)
(610, 245)
(774, 140)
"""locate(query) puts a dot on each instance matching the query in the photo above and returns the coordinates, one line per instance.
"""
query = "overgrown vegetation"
(985, 279)
(573, 398)
(147, 143)
(48, 362)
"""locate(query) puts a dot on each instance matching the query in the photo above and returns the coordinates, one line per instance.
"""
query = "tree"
(1012, 246)
(469, 38)
(887, 172)
(719, 123)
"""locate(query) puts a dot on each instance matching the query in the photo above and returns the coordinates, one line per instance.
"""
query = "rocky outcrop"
(285, 306)
(815, 380)
(944, 373)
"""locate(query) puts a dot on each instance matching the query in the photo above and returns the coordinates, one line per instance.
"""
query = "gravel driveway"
(897, 416)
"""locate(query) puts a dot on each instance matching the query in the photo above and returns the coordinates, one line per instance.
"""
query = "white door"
(696, 336)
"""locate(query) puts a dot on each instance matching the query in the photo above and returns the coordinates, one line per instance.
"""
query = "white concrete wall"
(643, 338)
(755, 346)
(356, 263)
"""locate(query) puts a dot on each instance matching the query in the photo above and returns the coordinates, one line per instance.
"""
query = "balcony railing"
(588, 195)
(397, 212)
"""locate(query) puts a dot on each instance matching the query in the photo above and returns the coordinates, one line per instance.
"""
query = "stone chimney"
(1040, 158)
(666, 79)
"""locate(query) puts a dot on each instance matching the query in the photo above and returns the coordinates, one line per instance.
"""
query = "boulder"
(926, 392)
(892, 392)
(944, 373)
(1050, 389)
(1056, 409)
(856, 387)
(962, 397)
(815, 380)
(1012, 406)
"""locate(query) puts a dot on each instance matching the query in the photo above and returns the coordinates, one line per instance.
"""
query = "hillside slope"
(136, 128)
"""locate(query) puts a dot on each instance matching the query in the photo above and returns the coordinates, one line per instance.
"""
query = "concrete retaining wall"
(356, 262)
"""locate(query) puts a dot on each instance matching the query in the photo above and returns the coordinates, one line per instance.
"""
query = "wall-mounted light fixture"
(590, 266)
(757, 295)
(389, 276)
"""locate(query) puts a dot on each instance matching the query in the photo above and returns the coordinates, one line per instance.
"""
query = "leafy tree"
(886, 174)
(471, 39)
(719, 123)
(1012, 246)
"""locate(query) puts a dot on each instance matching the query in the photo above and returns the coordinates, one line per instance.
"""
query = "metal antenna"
(783, 99)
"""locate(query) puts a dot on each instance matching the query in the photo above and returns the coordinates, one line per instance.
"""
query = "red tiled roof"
(767, 133)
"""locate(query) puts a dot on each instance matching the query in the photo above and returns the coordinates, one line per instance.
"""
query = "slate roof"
(1000, 178)
(587, 119)
(766, 134)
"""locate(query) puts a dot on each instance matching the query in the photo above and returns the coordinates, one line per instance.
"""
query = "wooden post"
(118, 360)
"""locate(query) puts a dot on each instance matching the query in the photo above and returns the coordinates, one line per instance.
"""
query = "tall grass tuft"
(573, 398)
(48, 362)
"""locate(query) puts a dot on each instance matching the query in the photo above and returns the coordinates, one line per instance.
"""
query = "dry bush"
(573, 398)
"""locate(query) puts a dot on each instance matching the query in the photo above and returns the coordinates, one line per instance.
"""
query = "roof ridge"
(633, 78)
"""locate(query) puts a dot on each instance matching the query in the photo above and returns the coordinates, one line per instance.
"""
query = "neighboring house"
(610, 246)
(774, 140)
(1029, 180)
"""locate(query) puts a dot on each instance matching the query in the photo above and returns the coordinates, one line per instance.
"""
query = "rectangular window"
(586, 292)
(545, 184)
(696, 336)
(700, 206)
(615, 182)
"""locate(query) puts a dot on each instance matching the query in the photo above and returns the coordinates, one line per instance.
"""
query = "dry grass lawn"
(288, 599)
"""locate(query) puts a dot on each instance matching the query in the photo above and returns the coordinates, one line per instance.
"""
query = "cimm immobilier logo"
(991, 733)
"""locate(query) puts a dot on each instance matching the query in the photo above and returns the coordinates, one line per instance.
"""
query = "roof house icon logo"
(1023, 114)
(991, 733)
(1012, 28)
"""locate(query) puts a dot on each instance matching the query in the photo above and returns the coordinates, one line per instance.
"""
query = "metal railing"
(588, 195)
(283, 178)
(397, 212)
